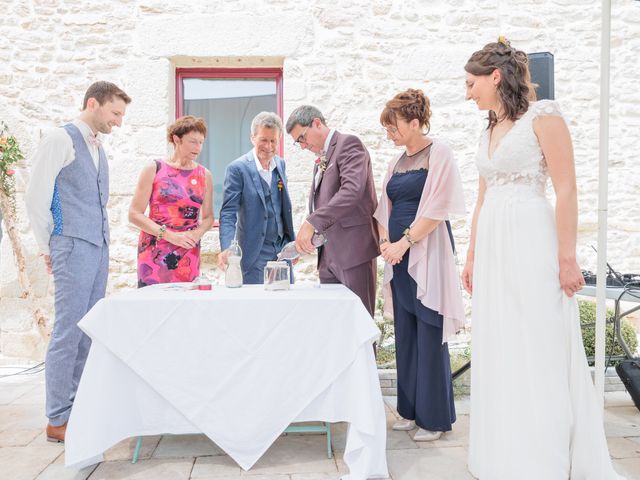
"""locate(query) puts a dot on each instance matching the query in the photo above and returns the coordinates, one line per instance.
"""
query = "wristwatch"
(407, 235)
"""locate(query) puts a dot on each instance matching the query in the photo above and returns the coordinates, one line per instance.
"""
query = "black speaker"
(541, 68)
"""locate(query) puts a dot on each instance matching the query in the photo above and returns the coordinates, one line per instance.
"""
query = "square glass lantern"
(276, 276)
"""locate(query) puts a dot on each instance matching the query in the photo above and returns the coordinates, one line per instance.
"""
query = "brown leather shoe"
(56, 434)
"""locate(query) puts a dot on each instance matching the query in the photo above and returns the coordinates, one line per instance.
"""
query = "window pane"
(228, 106)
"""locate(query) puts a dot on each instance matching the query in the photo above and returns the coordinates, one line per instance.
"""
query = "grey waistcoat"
(80, 194)
(273, 200)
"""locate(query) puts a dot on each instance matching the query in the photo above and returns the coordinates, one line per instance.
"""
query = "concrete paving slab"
(216, 466)
(622, 422)
(618, 399)
(124, 449)
(457, 437)
(26, 463)
(197, 445)
(628, 467)
(316, 476)
(10, 393)
(431, 463)
(295, 454)
(151, 469)
(26, 455)
(620, 447)
(18, 437)
(34, 396)
(22, 417)
(57, 471)
(41, 440)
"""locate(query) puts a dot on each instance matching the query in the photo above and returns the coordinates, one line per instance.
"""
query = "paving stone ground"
(26, 455)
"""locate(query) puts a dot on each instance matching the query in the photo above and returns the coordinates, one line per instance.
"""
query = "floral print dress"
(175, 201)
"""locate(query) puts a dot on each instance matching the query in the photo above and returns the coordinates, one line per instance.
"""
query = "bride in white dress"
(534, 413)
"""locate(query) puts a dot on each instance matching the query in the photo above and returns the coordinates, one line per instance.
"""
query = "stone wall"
(389, 382)
(347, 57)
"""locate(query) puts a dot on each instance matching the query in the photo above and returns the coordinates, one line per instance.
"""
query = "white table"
(612, 293)
(618, 294)
(238, 365)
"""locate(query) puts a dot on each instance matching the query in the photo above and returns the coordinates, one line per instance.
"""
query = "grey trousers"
(80, 272)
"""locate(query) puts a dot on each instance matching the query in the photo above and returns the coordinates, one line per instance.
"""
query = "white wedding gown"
(534, 413)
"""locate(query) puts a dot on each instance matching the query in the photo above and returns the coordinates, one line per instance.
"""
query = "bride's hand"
(467, 277)
(571, 279)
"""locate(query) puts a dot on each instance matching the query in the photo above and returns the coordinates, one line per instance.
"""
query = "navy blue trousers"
(425, 391)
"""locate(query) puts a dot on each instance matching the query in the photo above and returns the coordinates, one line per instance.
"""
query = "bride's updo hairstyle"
(515, 88)
(408, 105)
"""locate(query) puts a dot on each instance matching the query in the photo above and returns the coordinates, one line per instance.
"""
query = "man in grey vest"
(66, 202)
(256, 207)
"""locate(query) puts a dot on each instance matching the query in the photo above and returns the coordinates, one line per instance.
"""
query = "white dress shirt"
(265, 173)
(327, 142)
(323, 154)
(53, 154)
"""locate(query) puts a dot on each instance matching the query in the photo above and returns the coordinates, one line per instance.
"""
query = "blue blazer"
(244, 208)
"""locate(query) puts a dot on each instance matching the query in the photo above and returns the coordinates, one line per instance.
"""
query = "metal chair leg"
(136, 452)
(329, 452)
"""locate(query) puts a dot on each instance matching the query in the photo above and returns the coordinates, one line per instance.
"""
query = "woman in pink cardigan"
(421, 189)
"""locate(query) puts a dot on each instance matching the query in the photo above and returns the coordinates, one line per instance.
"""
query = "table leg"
(136, 452)
(617, 325)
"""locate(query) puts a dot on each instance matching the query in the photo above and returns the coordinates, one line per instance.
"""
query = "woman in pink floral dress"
(178, 194)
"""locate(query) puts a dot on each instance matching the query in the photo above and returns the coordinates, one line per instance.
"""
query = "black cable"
(630, 286)
(27, 371)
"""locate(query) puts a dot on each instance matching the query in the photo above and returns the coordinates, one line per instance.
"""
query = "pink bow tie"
(93, 140)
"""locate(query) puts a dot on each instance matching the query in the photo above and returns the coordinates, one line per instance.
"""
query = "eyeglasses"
(302, 138)
(390, 130)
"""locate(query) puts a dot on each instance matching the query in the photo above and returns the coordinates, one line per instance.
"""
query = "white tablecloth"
(238, 365)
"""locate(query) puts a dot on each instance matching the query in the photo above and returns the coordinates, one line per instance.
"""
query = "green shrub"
(386, 356)
(588, 321)
(461, 385)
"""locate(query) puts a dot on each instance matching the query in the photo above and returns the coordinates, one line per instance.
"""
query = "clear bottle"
(233, 273)
(289, 251)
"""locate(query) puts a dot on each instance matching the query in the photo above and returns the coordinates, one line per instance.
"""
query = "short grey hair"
(303, 116)
(266, 120)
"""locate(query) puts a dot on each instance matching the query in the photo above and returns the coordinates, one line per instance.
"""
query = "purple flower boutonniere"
(280, 184)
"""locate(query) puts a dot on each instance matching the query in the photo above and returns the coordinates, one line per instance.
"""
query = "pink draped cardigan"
(431, 260)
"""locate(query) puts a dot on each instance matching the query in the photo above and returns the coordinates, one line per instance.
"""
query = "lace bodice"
(518, 159)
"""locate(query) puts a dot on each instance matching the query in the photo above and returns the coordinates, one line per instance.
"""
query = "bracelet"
(163, 228)
(382, 240)
(407, 235)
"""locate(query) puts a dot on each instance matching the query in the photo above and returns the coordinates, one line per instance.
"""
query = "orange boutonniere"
(280, 184)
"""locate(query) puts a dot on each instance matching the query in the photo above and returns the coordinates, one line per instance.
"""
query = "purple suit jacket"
(344, 204)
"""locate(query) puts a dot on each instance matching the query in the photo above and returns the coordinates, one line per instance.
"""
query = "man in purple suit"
(341, 205)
